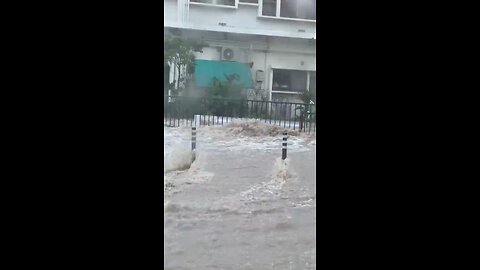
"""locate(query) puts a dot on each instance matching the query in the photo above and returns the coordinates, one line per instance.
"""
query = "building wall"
(274, 54)
(249, 35)
(209, 53)
(244, 18)
(170, 11)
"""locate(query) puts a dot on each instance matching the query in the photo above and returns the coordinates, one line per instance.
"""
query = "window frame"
(213, 5)
(272, 69)
(277, 13)
(247, 3)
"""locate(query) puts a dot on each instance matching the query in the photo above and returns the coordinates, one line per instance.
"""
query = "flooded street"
(239, 206)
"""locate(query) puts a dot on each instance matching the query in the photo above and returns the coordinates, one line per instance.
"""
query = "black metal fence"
(197, 111)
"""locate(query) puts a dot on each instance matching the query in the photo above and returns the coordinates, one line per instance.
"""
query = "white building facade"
(277, 38)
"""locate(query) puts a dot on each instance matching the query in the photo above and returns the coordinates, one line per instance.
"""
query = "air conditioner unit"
(231, 54)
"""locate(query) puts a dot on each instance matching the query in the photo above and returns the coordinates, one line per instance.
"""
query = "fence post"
(302, 119)
(194, 138)
(284, 146)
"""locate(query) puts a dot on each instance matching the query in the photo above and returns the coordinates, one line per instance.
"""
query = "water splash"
(180, 158)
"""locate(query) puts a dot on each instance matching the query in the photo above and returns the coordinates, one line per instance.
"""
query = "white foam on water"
(260, 199)
(210, 120)
(180, 158)
(271, 189)
(175, 181)
(177, 151)
(281, 171)
(250, 135)
(239, 135)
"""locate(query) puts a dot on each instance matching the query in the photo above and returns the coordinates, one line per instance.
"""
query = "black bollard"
(194, 138)
(284, 146)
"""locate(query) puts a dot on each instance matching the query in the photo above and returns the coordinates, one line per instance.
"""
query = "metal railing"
(197, 111)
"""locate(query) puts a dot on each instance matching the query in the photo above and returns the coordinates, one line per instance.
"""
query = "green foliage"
(179, 53)
(220, 90)
(307, 96)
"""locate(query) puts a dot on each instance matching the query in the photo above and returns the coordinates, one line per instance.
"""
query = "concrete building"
(276, 37)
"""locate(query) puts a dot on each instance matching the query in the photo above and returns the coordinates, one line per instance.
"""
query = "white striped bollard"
(284, 146)
(194, 138)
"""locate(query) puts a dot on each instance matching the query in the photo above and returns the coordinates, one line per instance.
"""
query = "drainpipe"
(265, 80)
(180, 4)
(183, 7)
(267, 74)
(187, 11)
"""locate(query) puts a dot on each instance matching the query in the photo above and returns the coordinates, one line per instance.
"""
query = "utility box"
(260, 76)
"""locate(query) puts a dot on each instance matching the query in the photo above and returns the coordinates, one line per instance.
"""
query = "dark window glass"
(203, 1)
(226, 2)
(298, 81)
(281, 80)
(249, 1)
(289, 80)
(269, 8)
(288, 9)
(218, 2)
(301, 9)
(312, 11)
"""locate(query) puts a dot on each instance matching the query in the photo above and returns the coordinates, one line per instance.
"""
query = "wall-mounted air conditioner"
(229, 54)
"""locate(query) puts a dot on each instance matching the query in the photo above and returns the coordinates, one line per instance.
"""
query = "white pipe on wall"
(179, 11)
(265, 70)
(186, 11)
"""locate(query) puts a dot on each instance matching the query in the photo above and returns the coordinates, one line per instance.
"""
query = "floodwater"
(238, 205)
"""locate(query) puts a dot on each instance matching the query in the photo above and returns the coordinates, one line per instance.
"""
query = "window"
(287, 84)
(248, 1)
(269, 8)
(299, 9)
(289, 80)
(216, 2)
(225, 2)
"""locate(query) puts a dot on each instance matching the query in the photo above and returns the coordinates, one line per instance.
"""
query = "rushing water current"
(239, 205)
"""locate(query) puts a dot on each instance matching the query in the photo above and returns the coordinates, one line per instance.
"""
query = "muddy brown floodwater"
(239, 206)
